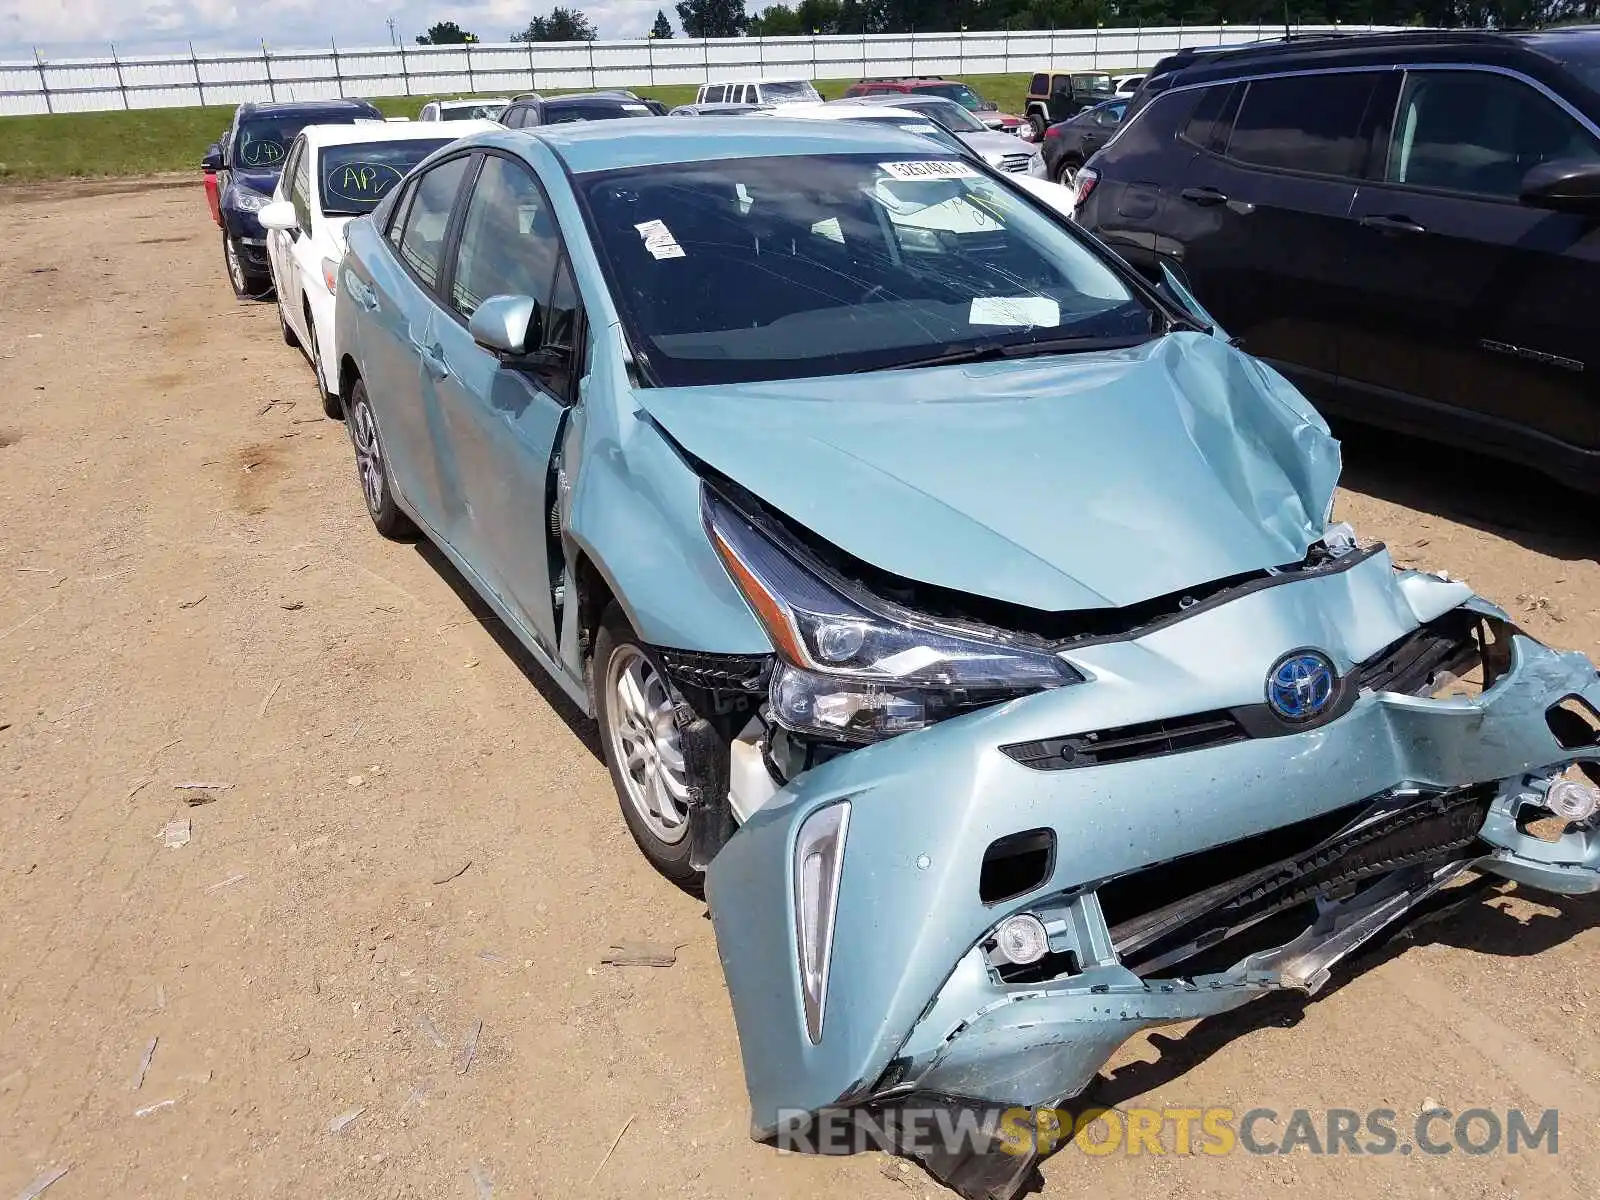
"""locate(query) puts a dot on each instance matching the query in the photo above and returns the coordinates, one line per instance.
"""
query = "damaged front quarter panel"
(1178, 883)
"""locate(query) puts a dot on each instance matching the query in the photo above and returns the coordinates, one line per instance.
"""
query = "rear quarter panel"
(1140, 169)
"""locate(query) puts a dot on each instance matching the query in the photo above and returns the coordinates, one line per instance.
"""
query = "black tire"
(616, 648)
(246, 284)
(372, 469)
(1067, 171)
(290, 337)
(332, 406)
(1039, 125)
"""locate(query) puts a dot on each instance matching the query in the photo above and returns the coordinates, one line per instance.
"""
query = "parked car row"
(961, 608)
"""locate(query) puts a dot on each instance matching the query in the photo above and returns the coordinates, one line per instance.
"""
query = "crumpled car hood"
(1059, 483)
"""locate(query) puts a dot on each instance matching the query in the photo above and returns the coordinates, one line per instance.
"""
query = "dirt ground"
(190, 591)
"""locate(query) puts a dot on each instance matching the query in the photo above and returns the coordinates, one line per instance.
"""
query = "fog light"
(1572, 800)
(1022, 939)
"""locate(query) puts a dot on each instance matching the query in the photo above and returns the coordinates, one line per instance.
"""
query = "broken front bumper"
(1419, 789)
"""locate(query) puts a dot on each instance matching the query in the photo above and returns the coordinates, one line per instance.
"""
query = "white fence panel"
(84, 84)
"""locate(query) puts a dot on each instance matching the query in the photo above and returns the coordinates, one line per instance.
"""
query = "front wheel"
(247, 285)
(373, 468)
(638, 715)
(1037, 120)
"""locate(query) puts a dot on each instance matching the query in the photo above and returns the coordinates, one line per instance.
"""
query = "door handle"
(1393, 224)
(1206, 197)
(433, 360)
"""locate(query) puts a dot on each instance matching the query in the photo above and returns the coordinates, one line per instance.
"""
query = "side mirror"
(212, 161)
(505, 325)
(279, 215)
(1567, 185)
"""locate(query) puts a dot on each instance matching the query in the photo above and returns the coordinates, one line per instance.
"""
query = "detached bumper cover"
(913, 1008)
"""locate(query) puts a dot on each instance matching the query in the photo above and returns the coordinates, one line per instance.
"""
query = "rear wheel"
(637, 710)
(290, 338)
(332, 406)
(1067, 172)
(376, 485)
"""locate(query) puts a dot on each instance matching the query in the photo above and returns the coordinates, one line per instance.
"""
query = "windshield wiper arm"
(1081, 344)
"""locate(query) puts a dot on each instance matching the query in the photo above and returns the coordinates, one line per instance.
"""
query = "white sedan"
(331, 175)
(1053, 195)
(464, 110)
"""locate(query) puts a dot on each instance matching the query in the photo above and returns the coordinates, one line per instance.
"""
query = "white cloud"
(65, 27)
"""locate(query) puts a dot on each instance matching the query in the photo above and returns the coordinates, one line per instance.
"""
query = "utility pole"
(393, 40)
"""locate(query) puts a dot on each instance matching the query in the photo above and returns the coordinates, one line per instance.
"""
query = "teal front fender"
(634, 514)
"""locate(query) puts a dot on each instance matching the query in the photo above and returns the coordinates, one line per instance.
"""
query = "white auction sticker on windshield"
(658, 240)
(1015, 310)
(937, 168)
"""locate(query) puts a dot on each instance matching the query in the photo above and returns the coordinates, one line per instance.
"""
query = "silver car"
(1002, 151)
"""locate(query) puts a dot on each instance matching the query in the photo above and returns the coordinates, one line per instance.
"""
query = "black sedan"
(1068, 144)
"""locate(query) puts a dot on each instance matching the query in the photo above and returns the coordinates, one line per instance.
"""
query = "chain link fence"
(45, 85)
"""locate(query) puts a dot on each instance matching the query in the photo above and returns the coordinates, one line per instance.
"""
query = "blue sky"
(65, 27)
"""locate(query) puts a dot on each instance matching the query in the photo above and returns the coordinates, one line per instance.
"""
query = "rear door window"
(1208, 124)
(428, 219)
(1479, 133)
(1308, 123)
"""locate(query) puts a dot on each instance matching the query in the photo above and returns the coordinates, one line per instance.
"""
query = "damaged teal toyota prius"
(962, 610)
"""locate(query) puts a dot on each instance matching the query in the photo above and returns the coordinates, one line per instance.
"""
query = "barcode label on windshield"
(932, 169)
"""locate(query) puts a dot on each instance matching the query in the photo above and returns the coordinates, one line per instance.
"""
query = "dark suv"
(247, 161)
(1408, 225)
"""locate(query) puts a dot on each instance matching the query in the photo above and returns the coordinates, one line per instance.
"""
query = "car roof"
(1334, 48)
(890, 99)
(470, 101)
(587, 146)
(590, 97)
(713, 108)
(265, 108)
(830, 110)
(763, 79)
(1539, 53)
(363, 132)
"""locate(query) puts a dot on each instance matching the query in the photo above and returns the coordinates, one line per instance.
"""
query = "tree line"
(728, 18)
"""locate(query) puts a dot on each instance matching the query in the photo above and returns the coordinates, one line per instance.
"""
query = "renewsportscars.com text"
(1181, 1131)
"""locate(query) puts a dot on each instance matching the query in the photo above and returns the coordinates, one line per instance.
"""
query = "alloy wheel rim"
(235, 267)
(645, 745)
(369, 457)
(1068, 175)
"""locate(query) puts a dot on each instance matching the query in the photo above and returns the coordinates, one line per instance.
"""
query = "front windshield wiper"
(1081, 344)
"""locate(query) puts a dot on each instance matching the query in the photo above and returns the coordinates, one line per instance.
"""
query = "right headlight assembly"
(854, 667)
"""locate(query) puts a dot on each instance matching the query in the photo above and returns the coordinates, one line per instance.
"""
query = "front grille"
(1453, 644)
(1149, 739)
(1459, 645)
(1017, 164)
(1225, 896)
